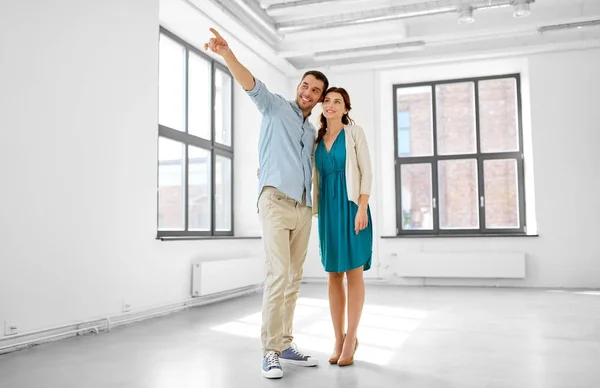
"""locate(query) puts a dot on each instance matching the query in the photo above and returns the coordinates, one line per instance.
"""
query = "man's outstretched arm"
(219, 46)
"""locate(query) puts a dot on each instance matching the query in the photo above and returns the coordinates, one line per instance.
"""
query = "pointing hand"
(217, 44)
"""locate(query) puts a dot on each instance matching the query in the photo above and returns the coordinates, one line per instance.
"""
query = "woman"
(341, 188)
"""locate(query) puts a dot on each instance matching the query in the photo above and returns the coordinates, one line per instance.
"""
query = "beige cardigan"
(359, 175)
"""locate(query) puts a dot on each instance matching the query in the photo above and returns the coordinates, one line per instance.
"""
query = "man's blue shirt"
(285, 145)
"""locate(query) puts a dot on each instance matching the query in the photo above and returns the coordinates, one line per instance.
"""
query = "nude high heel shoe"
(349, 360)
(335, 357)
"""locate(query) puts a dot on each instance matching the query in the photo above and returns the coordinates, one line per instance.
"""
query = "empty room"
(314, 193)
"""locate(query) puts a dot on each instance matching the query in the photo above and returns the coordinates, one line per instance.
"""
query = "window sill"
(461, 235)
(184, 238)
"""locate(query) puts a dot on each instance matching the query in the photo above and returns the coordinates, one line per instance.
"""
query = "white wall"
(78, 107)
(561, 119)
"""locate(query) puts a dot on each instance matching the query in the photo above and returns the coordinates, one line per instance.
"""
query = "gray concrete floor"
(409, 337)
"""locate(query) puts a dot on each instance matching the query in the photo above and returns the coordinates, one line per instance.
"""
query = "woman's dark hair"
(345, 118)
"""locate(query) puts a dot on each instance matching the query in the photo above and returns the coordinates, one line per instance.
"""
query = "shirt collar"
(297, 109)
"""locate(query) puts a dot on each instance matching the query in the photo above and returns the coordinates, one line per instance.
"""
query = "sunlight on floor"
(313, 302)
(383, 329)
(239, 328)
(181, 375)
(254, 318)
(596, 293)
(303, 311)
(388, 311)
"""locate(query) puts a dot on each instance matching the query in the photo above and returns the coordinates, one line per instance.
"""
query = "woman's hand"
(361, 221)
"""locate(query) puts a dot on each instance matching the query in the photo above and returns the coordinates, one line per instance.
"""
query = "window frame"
(187, 139)
(480, 156)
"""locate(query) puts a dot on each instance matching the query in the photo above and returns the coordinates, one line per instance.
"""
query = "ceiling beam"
(390, 13)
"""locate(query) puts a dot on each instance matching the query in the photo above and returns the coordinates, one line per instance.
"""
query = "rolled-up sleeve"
(265, 100)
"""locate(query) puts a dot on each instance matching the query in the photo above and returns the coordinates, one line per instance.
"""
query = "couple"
(337, 166)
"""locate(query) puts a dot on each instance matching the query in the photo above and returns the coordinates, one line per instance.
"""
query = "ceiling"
(375, 33)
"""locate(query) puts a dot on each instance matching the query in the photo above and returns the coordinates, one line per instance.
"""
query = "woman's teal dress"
(341, 248)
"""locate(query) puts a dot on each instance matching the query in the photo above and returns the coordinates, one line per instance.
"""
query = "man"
(284, 204)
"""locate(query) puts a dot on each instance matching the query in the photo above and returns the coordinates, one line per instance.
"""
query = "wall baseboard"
(25, 340)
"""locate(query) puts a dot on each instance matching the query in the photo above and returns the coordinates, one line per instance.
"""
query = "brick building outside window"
(459, 157)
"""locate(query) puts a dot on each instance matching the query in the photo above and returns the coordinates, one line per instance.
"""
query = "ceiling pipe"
(301, 3)
(247, 18)
(390, 13)
(567, 26)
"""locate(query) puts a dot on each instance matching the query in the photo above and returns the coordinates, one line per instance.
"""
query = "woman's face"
(334, 106)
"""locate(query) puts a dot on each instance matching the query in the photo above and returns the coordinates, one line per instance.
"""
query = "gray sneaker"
(294, 356)
(271, 368)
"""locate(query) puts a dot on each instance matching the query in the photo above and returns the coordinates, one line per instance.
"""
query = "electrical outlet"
(10, 329)
(126, 307)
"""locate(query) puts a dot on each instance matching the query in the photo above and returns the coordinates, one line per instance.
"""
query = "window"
(195, 142)
(403, 128)
(459, 157)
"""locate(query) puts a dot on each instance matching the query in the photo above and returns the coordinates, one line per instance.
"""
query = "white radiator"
(501, 265)
(213, 276)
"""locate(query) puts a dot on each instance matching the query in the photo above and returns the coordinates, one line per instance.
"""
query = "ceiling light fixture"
(522, 9)
(465, 14)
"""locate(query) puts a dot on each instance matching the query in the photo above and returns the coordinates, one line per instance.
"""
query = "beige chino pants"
(286, 225)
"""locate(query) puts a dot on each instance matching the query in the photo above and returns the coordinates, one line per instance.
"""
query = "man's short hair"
(320, 76)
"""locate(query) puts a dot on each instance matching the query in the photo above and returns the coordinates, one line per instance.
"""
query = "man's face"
(309, 93)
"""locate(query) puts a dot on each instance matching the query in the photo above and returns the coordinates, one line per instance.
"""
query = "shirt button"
(301, 143)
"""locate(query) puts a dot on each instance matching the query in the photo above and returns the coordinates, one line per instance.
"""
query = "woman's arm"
(366, 178)
(363, 202)
(364, 163)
